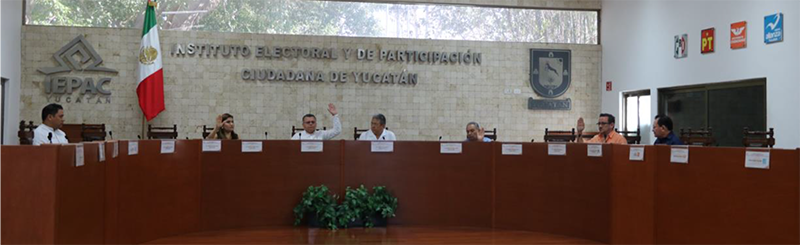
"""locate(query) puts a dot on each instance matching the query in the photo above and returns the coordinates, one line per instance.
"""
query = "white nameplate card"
(557, 149)
(311, 146)
(252, 146)
(756, 159)
(636, 153)
(512, 149)
(101, 152)
(78, 155)
(594, 150)
(133, 147)
(382, 146)
(116, 150)
(679, 154)
(450, 148)
(212, 145)
(167, 146)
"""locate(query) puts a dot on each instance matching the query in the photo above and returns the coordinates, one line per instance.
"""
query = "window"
(636, 111)
(2, 109)
(726, 108)
(337, 18)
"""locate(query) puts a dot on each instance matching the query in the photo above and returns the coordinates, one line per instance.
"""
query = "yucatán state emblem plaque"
(551, 74)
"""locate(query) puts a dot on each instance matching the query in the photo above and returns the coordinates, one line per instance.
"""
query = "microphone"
(139, 136)
(383, 137)
(300, 135)
(440, 138)
(50, 137)
(111, 134)
(266, 135)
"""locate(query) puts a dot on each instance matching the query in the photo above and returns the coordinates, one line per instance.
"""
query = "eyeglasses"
(602, 123)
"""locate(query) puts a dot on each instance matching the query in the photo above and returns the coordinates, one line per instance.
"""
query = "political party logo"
(707, 41)
(773, 28)
(680, 45)
(739, 35)
(550, 72)
(74, 62)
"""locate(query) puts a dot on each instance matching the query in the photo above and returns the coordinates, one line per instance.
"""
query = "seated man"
(605, 126)
(49, 131)
(662, 129)
(475, 133)
(310, 127)
(377, 127)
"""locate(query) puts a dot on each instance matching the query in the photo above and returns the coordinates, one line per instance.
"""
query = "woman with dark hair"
(224, 128)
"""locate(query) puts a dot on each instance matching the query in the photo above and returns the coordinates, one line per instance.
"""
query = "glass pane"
(732, 109)
(645, 118)
(687, 109)
(631, 113)
(418, 21)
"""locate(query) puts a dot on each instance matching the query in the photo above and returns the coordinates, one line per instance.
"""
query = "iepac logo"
(739, 35)
(78, 56)
(773, 28)
(707, 41)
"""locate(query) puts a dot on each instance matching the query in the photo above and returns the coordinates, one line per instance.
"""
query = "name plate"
(636, 153)
(557, 149)
(756, 159)
(534, 104)
(450, 148)
(133, 147)
(594, 150)
(512, 149)
(78, 155)
(167, 146)
(311, 146)
(101, 152)
(679, 154)
(116, 150)
(212, 145)
(252, 146)
(382, 146)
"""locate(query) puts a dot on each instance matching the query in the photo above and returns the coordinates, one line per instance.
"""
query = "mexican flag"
(151, 76)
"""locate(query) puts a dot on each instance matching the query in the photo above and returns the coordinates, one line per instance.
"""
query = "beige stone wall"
(197, 89)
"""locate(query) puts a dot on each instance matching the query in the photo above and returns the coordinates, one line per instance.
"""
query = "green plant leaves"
(358, 206)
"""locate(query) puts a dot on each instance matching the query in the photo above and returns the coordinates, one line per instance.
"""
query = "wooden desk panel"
(433, 189)
(715, 199)
(567, 195)
(159, 194)
(632, 196)
(28, 185)
(261, 189)
(80, 197)
(111, 193)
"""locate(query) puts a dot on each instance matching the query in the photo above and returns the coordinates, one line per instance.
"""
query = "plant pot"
(355, 223)
(313, 220)
(378, 221)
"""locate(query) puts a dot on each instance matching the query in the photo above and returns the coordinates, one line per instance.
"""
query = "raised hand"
(481, 132)
(219, 121)
(332, 109)
(581, 125)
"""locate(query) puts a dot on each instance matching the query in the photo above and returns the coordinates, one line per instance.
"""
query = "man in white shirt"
(377, 130)
(310, 126)
(49, 131)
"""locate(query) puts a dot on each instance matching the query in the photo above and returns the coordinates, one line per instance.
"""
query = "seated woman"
(224, 128)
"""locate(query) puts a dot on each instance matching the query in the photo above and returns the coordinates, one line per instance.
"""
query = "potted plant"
(320, 207)
(381, 205)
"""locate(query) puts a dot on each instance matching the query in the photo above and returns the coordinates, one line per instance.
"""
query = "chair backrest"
(93, 132)
(206, 131)
(25, 133)
(162, 132)
(491, 134)
(703, 137)
(559, 135)
(301, 129)
(759, 138)
(633, 137)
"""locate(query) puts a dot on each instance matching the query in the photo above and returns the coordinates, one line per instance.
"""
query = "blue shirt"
(671, 139)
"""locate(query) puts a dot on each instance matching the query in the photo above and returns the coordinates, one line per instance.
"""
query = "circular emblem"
(147, 55)
(550, 72)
